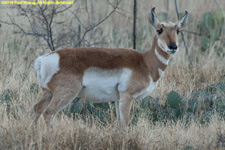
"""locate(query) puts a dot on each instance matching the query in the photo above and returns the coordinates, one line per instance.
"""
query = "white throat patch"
(161, 58)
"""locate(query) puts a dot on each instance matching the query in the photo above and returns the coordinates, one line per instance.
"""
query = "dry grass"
(16, 134)
(17, 73)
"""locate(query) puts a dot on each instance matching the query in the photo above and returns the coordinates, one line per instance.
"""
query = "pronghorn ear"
(181, 23)
(153, 18)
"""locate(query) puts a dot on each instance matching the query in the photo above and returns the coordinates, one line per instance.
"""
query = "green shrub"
(220, 106)
(192, 106)
(6, 96)
(205, 118)
(6, 101)
(145, 103)
(211, 25)
(34, 88)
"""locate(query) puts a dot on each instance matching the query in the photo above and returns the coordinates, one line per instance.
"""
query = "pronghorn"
(104, 74)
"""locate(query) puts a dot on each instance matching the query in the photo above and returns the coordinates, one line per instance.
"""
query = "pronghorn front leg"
(124, 109)
(117, 110)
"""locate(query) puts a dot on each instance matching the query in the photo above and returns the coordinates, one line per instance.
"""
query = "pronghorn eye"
(160, 31)
(178, 31)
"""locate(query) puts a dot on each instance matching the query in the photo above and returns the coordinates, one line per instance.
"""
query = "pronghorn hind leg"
(61, 97)
(40, 106)
(125, 103)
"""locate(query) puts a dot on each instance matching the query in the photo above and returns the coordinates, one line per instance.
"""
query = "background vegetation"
(185, 111)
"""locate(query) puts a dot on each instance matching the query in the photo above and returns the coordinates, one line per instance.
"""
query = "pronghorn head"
(167, 32)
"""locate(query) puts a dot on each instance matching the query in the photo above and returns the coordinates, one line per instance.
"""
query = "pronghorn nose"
(172, 46)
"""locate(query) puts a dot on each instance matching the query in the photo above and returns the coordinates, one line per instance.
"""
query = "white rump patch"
(104, 85)
(46, 66)
(146, 91)
(161, 58)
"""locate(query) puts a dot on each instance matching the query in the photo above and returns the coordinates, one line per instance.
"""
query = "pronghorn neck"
(156, 60)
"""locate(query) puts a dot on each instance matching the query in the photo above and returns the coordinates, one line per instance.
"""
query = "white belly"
(104, 85)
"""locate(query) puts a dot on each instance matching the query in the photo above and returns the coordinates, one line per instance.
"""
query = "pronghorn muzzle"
(172, 48)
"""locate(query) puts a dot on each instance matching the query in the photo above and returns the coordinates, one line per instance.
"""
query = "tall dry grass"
(17, 74)
(69, 134)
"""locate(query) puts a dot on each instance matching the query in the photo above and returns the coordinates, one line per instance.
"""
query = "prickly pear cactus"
(74, 108)
(173, 100)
